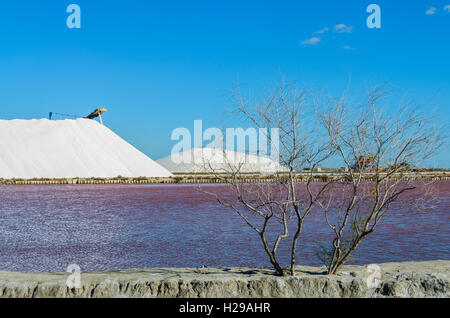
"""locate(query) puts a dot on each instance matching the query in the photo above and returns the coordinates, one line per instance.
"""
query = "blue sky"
(158, 66)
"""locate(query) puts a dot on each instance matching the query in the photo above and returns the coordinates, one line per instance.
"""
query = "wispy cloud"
(339, 28)
(342, 28)
(322, 31)
(311, 41)
(447, 8)
(431, 11)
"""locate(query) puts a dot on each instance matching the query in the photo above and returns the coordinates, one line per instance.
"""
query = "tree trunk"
(294, 245)
(278, 270)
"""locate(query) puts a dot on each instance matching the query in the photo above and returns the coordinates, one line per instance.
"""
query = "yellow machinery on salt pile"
(97, 113)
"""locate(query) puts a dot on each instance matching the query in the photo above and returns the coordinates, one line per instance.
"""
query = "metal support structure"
(96, 113)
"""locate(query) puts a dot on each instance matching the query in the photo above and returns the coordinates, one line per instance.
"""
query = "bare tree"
(400, 138)
(313, 132)
(270, 208)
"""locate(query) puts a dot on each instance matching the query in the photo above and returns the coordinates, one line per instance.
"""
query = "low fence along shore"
(186, 178)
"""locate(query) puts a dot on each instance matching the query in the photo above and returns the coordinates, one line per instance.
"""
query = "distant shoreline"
(402, 279)
(193, 178)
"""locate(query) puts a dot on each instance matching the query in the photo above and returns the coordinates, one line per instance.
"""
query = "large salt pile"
(41, 148)
(209, 160)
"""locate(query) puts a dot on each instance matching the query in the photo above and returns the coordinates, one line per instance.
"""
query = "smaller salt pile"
(210, 160)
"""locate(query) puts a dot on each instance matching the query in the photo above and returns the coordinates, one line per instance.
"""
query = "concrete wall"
(412, 279)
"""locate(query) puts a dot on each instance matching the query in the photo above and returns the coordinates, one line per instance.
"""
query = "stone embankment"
(408, 279)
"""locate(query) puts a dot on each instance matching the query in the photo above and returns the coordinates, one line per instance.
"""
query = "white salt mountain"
(210, 160)
(42, 148)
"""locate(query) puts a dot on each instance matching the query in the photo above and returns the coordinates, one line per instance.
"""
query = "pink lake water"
(99, 227)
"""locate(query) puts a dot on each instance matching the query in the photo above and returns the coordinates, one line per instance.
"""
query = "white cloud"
(430, 11)
(347, 47)
(311, 41)
(447, 8)
(342, 28)
(322, 31)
